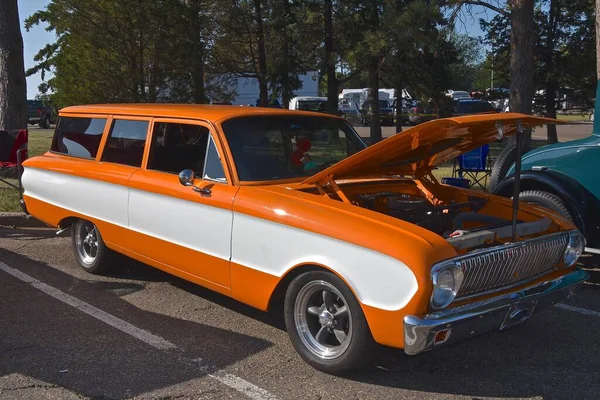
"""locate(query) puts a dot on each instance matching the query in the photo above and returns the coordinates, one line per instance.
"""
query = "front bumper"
(424, 333)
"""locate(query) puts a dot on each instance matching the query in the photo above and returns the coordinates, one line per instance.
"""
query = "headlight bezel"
(437, 287)
(575, 248)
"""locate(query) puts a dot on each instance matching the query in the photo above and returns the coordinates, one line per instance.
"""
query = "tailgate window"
(78, 136)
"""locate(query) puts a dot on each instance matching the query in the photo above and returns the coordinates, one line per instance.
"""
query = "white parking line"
(233, 381)
(579, 310)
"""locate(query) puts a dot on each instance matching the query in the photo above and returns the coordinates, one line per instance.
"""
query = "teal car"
(563, 177)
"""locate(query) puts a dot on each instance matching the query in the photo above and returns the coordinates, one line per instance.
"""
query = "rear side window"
(125, 143)
(78, 137)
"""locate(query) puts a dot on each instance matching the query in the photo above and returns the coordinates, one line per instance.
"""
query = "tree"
(522, 40)
(110, 51)
(13, 89)
(564, 32)
(239, 47)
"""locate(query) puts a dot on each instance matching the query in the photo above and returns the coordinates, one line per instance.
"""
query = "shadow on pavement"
(134, 270)
(48, 340)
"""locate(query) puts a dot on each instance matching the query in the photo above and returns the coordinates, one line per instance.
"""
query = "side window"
(125, 143)
(213, 168)
(176, 147)
(79, 137)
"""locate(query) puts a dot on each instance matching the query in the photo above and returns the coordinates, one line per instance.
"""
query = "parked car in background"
(38, 113)
(308, 103)
(421, 112)
(471, 106)
(458, 94)
(360, 245)
(561, 177)
(407, 104)
(386, 112)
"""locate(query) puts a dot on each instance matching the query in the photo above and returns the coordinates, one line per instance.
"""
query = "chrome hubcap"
(323, 320)
(86, 241)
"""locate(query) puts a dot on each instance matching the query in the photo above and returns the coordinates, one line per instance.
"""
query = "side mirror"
(186, 177)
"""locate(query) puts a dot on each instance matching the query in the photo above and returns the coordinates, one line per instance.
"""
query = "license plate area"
(518, 313)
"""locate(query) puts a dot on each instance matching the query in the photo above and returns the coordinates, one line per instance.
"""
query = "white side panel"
(189, 224)
(377, 279)
(101, 200)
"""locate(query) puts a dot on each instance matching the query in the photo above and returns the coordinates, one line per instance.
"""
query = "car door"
(187, 228)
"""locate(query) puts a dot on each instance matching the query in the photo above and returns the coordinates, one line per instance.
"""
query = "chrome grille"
(510, 264)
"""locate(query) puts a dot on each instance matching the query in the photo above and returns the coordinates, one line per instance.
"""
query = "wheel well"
(571, 203)
(279, 293)
(66, 222)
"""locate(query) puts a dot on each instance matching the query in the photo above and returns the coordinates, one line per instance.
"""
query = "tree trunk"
(332, 82)
(398, 106)
(374, 78)
(521, 62)
(13, 86)
(285, 75)
(551, 78)
(197, 54)
(262, 56)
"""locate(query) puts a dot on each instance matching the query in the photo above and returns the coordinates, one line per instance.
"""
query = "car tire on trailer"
(326, 324)
(89, 248)
(546, 200)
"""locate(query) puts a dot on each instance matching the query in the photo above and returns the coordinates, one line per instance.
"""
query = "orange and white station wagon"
(362, 245)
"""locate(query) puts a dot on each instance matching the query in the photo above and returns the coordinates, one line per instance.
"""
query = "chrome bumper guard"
(425, 333)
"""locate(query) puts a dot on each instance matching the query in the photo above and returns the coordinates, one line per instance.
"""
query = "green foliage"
(570, 56)
(192, 50)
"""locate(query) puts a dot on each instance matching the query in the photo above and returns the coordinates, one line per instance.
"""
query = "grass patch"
(574, 117)
(39, 141)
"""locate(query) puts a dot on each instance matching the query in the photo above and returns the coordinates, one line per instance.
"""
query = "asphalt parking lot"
(140, 333)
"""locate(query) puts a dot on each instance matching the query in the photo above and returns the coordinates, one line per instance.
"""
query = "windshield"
(268, 148)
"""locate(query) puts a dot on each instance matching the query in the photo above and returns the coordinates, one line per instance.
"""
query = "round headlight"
(446, 282)
(574, 249)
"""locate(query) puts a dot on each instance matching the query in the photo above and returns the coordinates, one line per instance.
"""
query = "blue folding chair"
(471, 168)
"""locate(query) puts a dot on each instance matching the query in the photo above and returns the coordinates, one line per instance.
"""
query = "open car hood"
(418, 150)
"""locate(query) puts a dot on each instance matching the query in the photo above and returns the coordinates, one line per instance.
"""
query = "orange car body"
(246, 238)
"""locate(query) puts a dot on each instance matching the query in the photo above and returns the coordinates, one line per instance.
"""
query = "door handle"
(203, 191)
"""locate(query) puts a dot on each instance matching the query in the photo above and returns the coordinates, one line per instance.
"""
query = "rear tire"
(505, 159)
(89, 248)
(546, 200)
(326, 324)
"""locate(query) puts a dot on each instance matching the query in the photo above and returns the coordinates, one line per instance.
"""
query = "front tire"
(326, 324)
(89, 248)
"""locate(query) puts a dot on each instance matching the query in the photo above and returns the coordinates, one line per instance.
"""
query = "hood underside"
(418, 150)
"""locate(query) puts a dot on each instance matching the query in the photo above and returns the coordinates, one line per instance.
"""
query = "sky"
(38, 37)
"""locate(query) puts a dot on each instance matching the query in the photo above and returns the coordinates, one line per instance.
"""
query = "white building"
(247, 92)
